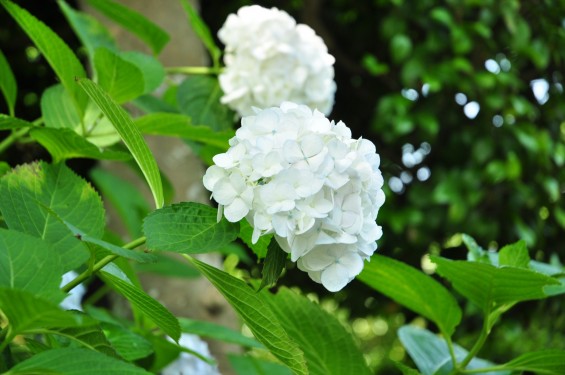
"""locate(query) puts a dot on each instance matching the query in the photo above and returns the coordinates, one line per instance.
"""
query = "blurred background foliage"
(465, 102)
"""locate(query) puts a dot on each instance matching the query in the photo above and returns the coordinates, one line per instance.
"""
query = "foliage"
(506, 186)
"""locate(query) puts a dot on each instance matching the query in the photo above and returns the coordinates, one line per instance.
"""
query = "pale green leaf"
(168, 266)
(257, 314)
(177, 125)
(28, 263)
(273, 265)
(247, 365)
(28, 189)
(8, 84)
(304, 320)
(75, 361)
(146, 304)
(515, 255)
(203, 32)
(59, 56)
(188, 227)
(89, 30)
(151, 104)
(489, 287)
(414, 290)
(57, 109)
(431, 355)
(134, 22)
(151, 69)
(550, 361)
(217, 332)
(128, 201)
(65, 144)
(199, 98)
(26, 313)
(261, 246)
(97, 128)
(9, 122)
(120, 79)
(130, 135)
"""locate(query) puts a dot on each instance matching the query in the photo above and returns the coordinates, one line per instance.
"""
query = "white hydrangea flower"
(73, 300)
(270, 59)
(189, 364)
(293, 173)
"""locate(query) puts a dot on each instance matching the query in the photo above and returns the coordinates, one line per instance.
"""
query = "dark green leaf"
(8, 122)
(4, 168)
(59, 56)
(8, 84)
(217, 332)
(75, 361)
(91, 337)
(28, 263)
(130, 135)
(199, 98)
(28, 189)
(273, 265)
(177, 125)
(514, 255)
(134, 22)
(431, 353)
(257, 314)
(200, 28)
(144, 303)
(540, 362)
(414, 290)
(259, 248)
(489, 287)
(247, 365)
(188, 228)
(168, 266)
(121, 79)
(65, 144)
(303, 320)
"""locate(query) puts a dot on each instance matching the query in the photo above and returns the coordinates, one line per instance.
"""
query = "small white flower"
(303, 179)
(270, 59)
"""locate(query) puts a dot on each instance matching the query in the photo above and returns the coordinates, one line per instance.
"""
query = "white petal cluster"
(189, 364)
(270, 59)
(293, 173)
(73, 300)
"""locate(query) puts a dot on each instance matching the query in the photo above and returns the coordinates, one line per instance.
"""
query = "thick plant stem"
(190, 70)
(474, 350)
(100, 264)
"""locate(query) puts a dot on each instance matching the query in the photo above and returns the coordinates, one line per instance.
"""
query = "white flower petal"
(236, 211)
(335, 277)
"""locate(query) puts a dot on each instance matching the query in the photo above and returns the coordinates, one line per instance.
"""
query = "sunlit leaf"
(120, 79)
(549, 361)
(8, 84)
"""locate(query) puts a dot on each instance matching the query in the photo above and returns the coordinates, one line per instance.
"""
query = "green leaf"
(151, 69)
(89, 30)
(65, 144)
(259, 248)
(217, 332)
(59, 56)
(120, 79)
(75, 361)
(414, 290)
(57, 109)
(8, 122)
(89, 336)
(431, 353)
(130, 135)
(134, 22)
(26, 313)
(514, 255)
(203, 32)
(168, 266)
(489, 287)
(177, 125)
(256, 313)
(28, 263)
(406, 370)
(8, 84)
(144, 303)
(129, 203)
(188, 228)
(28, 189)
(247, 365)
(303, 320)
(540, 362)
(4, 168)
(150, 104)
(273, 265)
(199, 98)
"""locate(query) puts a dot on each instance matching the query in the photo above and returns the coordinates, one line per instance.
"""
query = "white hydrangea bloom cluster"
(189, 364)
(292, 172)
(270, 59)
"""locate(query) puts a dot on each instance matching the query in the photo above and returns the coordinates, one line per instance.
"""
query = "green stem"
(451, 350)
(189, 70)
(100, 264)
(478, 345)
(9, 140)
